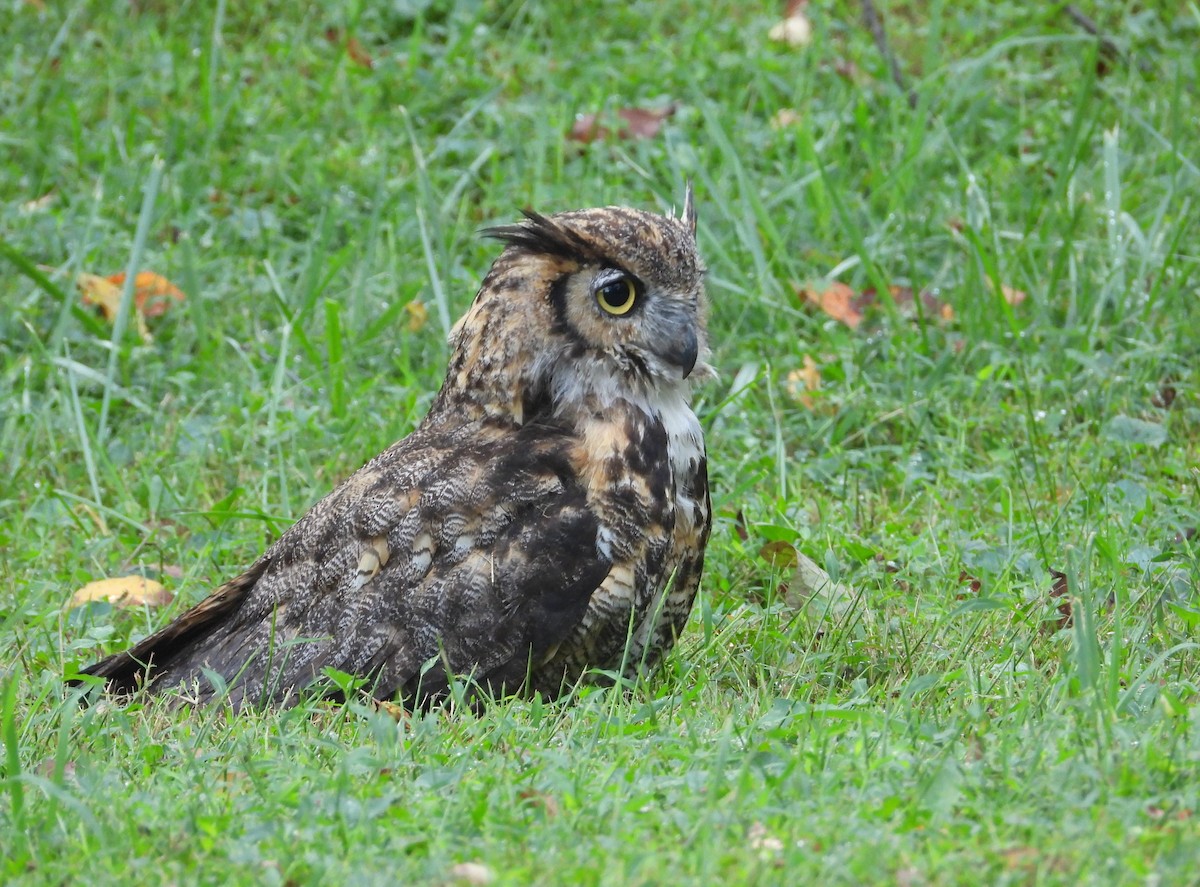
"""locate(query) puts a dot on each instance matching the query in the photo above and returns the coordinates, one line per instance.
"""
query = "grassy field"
(1006, 688)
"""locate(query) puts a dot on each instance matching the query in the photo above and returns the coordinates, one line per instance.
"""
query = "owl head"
(595, 301)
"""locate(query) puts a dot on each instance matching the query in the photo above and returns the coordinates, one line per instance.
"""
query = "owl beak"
(683, 352)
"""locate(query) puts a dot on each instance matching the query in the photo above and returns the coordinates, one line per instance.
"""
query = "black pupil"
(616, 294)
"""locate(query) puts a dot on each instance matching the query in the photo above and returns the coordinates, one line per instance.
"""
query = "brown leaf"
(637, 123)
(1165, 396)
(803, 382)
(358, 54)
(534, 798)
(779, 553)
(642, 123)
(837, 300)
(905, 302)
(124, 591)
(1061, 591)
(847, 70)
(739, 526)
(965, 578)
(1011, 295)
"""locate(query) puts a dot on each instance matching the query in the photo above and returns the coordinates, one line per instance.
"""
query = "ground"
(987, 431)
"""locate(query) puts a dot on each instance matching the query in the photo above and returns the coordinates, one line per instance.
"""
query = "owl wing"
(437, 558)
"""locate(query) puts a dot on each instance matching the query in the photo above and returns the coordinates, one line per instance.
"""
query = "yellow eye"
(617, 297)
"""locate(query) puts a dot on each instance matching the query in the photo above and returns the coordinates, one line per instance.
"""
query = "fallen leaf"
(153, 294)
(1011, 295)
(795, 30)
(38, 203)
(393, 710)
(534, 798)
(123, 591)
(965, 578)
(418, 315)
(812, 586)
(471, 873)
(803, 382)
(906, 302)
(785, 117)
(637, 123)
(837, 300)
(763, 841)
(847, 70)
(739, 526)
(1061, 591)
(1165, 396)
(101, 292)
(358, 54)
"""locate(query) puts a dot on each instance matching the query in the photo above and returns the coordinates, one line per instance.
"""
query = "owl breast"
(649, 485)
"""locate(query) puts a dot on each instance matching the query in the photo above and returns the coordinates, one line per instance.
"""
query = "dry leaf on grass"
(803, 382)
(153, 295)
(785, 117)
(38, 204)
(795, 29)
(636, 123)
(1061, 592)
(123, 591)
(418, 315)
(837, 300)
(358, 54)
(1011, 295)
(355, 51)
(841, 302)
(471, 873)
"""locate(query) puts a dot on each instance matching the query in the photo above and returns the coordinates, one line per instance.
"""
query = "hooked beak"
(682, 352)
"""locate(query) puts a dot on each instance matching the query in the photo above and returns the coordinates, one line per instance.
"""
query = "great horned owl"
(547, 518)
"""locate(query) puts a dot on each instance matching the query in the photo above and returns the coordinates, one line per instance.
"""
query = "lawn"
(1001, 473)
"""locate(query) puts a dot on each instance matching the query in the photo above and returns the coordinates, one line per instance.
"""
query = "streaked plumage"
(551, 507)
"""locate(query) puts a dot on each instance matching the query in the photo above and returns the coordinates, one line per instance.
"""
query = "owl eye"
(617, 297)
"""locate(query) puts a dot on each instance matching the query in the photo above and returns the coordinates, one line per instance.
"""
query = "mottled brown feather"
(547, 518)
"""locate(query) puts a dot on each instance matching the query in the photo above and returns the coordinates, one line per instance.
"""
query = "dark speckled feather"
(547, 518)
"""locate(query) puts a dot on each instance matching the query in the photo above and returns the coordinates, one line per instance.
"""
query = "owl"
(545, 523)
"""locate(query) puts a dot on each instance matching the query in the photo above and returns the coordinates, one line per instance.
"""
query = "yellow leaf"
(802, 382)
(417, 315)
(123, 591)
(152, 295)
(101, 292)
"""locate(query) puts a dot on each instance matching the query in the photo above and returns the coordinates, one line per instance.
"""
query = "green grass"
(920, 732)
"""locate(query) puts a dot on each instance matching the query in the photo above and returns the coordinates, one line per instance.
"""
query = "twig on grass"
(875, 25)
